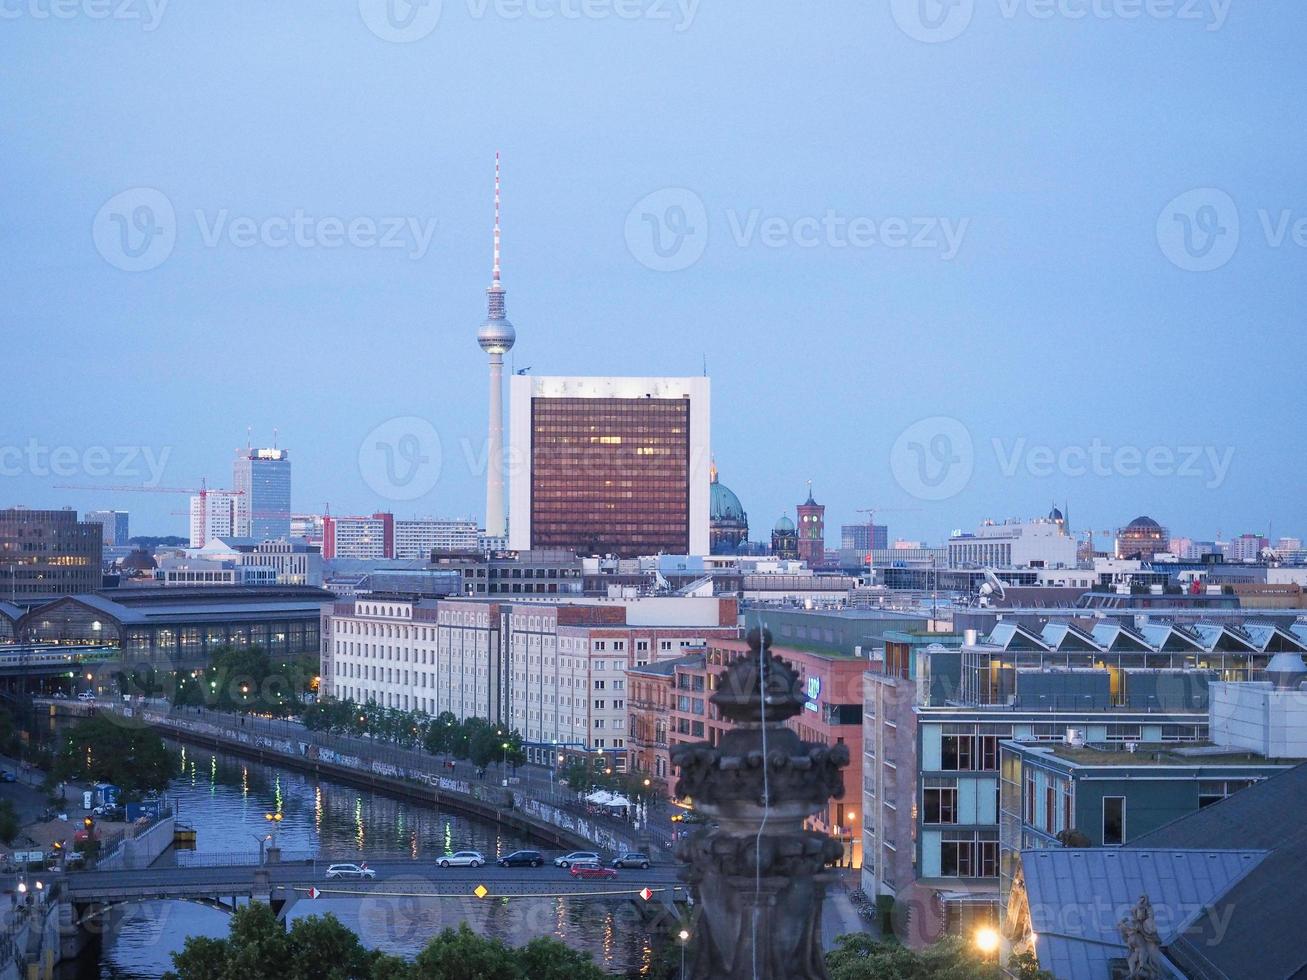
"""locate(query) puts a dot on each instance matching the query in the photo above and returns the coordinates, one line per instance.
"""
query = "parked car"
(59, 696)
(530, 859)
(86, 696)
(632, 859)
(7, 777)
(351, 871)
(576, 857)
(462, 859)
(592, 870)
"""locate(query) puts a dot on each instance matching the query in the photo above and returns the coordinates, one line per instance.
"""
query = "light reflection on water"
(226, 798)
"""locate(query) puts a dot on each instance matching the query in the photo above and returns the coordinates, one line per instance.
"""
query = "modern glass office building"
(261, 478)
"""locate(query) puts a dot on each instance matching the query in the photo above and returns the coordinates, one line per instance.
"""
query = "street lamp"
(275, 820)
(987, 941)
(684, 937)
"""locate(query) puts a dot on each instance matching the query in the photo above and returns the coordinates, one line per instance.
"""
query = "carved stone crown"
(747, 687)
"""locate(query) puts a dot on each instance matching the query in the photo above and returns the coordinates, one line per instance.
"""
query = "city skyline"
(823, 358)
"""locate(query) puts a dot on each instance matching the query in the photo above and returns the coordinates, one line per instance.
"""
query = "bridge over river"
(394, 877)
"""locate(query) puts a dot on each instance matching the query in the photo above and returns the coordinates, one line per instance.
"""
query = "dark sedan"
(522, 859)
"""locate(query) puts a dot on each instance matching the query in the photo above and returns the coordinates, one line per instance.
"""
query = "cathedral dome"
(723, 505)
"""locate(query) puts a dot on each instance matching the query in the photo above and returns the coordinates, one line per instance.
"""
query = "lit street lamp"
(987, 942)
(275, 820)
(684, 937)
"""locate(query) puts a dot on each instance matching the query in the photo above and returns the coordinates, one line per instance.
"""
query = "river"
(225, 798)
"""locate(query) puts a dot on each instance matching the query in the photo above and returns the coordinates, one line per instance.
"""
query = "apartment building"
(555, 671)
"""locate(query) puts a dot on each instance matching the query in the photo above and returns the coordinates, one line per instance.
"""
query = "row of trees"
(475, 739)
(247, 679)
(321, 948)
(860, 956)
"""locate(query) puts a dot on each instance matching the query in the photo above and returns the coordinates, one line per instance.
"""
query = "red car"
(592, 871)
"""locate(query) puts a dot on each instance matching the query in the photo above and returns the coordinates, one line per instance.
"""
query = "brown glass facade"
(611, 475)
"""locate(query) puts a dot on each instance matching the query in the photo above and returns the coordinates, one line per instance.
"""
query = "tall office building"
(48, 553)
(213, 515)
(864, 537)
(610, 466)
(496, 337)
(262, 478)
(114, 523)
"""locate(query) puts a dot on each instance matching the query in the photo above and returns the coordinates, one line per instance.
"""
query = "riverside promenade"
(528, 799)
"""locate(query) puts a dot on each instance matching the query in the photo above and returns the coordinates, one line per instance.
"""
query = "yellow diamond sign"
(481, 891)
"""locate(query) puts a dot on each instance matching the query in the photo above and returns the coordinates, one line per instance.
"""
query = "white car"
(86, 696)
(462, 859)
(577, 857)
(350, 871)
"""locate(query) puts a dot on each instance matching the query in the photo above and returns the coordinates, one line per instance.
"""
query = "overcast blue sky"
(967, 259)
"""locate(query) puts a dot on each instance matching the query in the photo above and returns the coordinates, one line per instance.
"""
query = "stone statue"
(1138, 930)
(757, 874)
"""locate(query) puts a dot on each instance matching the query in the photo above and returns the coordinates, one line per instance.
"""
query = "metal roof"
(1255, 927)
(1078, 895)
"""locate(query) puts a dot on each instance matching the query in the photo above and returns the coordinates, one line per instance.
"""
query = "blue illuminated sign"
(813, 691)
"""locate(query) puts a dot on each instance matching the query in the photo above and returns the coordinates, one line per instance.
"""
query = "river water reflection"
(226, 798)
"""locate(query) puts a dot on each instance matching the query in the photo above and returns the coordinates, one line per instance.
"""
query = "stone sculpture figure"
(757, 874)
(1138, 930)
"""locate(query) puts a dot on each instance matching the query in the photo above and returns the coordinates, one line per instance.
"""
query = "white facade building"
(1041, 543)
(213, 515)
(554, 671)
(419, 537)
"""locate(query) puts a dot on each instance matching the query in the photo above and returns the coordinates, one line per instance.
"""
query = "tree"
(545, 958)
(462, 954)
(102, 749)
(440, 733)
(321, 947)
(860, 956)
(246, 679)
(257, 946)
(9, 825)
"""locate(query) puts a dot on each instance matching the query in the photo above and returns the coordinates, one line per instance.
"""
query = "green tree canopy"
(102, 749)
(313, 948)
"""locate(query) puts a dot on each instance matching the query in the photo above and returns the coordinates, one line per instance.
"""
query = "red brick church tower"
(812, 531)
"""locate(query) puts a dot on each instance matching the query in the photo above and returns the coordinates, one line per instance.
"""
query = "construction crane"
(871, 513)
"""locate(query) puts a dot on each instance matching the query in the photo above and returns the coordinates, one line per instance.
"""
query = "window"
(969, 854)
(940, 803)
(1113, 821)
(1215, 790)
(957, 752)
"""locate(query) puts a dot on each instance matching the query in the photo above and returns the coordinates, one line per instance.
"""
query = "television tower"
(496, 338)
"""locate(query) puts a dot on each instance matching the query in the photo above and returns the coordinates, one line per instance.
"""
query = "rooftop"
(1155, 754)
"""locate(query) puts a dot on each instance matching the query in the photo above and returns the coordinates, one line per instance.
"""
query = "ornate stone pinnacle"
(744, 689)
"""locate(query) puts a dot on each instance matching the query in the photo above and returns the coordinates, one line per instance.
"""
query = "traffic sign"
(314, 893)
(646, 893)
(480, 891)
